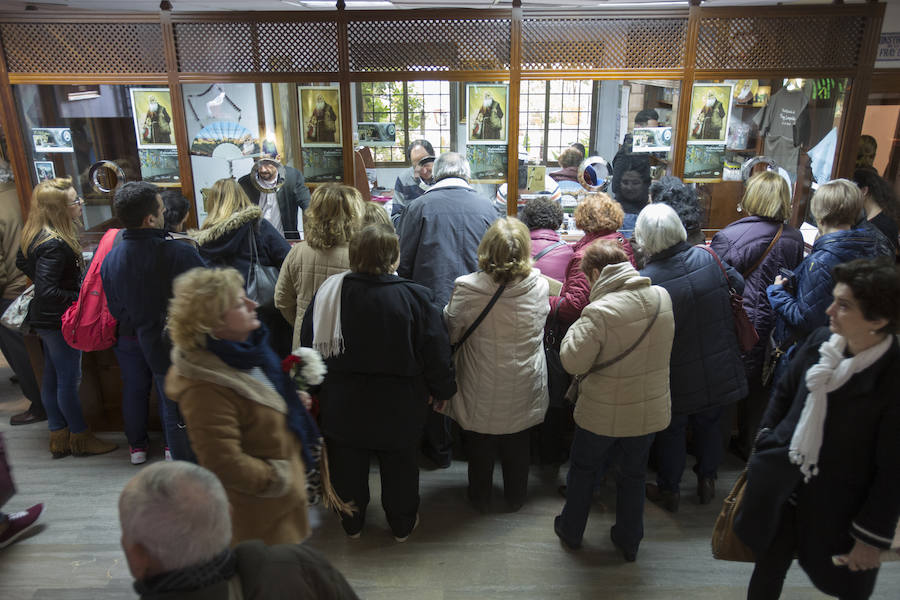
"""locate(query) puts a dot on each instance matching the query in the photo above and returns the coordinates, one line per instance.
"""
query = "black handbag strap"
(766, 253)
(480, 318)
(612, 361)
(547, 250)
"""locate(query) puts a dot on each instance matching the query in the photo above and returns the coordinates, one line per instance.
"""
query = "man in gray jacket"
(439, 236)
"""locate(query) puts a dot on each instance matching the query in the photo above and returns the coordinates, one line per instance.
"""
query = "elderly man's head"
(421, 156)
(173, 515)
(451, 164)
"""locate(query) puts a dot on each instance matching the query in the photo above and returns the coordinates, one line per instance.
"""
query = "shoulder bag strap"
(547, 250)
(764, 254)
(480, 318)
(718, 262)
(612, 361)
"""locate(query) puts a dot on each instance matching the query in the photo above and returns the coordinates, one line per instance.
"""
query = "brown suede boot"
(85, 444)
(59, 442)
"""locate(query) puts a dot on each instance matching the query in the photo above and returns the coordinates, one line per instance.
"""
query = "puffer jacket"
(228, 243)
(630, 397)
(800, 312)
(576, 289)
(706, 370)
(741, 245)
(303, 271)
(501, 371)
(553, 264)
(55, 270)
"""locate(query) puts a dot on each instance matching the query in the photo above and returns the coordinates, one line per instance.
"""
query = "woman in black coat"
(388, 357)
(824, 481)
(227, 239)
(705, 371)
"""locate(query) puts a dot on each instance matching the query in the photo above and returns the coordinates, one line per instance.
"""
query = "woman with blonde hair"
(234, 234)
(244, 417)
(599, 216)
(758, 246)
(51, 256)
(496, 318)
(335, 213)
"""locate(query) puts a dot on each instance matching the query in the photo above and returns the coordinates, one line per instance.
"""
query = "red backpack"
(87, 324)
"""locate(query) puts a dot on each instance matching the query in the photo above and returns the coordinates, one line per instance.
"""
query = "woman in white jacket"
(620, 348)
(501, 372)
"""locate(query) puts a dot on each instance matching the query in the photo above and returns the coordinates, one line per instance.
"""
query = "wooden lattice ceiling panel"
(83, 47)
(430, 45)
(812, 42)
(592, 44)
(257, 47)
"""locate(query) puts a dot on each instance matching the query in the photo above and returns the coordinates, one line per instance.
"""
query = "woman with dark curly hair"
(631, 185)
(880, 203)
(822, 481)
(683, 200)
(599, 216)
(542, 217)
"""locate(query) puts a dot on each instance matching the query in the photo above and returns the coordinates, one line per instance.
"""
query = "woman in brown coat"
(241, 411)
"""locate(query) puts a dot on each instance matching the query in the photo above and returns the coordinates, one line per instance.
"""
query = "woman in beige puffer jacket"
(501, 372)
(620, 348)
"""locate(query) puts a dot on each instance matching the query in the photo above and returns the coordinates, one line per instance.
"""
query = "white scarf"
(831, 372)
(328, 339)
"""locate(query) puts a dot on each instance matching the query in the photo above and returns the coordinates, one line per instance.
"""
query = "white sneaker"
(168, 454)
(138, 456)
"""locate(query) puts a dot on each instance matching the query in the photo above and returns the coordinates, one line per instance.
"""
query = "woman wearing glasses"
(51, 256)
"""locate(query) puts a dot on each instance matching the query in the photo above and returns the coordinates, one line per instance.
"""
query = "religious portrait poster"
(152, 111)
(45, 170)
(486, 111)
(320, 116)
(710, 109)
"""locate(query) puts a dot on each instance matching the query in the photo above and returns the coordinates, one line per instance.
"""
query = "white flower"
(312, 369)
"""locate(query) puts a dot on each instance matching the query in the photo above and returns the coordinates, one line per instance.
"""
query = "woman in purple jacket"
(758, 246)
(542, 217)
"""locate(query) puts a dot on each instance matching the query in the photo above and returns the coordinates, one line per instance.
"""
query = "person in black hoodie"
(51, 256)
(226, 239)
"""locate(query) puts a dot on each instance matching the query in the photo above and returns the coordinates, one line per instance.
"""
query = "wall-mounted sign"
(52, 139)
(376, 134)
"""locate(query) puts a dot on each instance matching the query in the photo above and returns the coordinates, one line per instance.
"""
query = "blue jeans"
(589, 458)
(62, 375)
(173, 424)
(137, 380)
(671, 448)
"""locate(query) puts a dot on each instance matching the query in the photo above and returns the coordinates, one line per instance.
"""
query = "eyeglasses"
(79, 201)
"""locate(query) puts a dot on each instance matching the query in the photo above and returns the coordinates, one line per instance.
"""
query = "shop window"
(553, 115)
(417, 109)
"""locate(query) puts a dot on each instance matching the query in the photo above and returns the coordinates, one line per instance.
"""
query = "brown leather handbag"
(725, 544)
(747, 337)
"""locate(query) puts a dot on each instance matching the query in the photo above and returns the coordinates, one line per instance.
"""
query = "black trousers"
(514, 453)
(772, 567)
(437, 445)
(399, 484)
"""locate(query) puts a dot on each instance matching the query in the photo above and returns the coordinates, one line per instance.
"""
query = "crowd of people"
(433, 328)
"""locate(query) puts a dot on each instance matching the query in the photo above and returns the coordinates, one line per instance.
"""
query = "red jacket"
(554, 263)
(576, 290)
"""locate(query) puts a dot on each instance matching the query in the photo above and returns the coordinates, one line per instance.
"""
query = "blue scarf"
(256, 352)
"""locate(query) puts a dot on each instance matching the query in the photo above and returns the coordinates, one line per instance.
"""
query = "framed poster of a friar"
(710, 110)
(152, 111)
(486, 110)
(320, 116)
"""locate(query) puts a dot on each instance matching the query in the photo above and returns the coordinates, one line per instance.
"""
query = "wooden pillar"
(344, 82)
(15, 141)
(682, 124)
(512, 110)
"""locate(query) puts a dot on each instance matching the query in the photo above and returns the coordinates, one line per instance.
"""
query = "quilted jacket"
(501, 371)
(741, 245)
(801, 312)
(303, 271)
(705, 368)
(554, 263)
(576, 290)
(630, 397)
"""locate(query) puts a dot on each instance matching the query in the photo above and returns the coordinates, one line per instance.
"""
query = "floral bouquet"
(305, 366)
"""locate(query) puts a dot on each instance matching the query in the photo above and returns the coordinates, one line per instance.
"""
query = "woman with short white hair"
(705, 370)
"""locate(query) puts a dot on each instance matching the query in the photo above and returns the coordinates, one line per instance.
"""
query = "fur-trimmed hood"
(198, 367)
(229, 228)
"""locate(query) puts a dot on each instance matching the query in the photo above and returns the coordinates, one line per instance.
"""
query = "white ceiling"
(152, 6)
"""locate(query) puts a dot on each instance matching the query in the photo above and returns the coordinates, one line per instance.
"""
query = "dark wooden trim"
(346, 113)
(512, 113)
(885, 81)
(62, 16)
(179, 120)
(682, 122)
(705, 74)
(536, 75)
(89, 78)
(429, 75)
(9, 118)
(855, 108)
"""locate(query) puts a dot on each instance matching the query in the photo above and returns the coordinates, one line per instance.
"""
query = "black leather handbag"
(557, 379)
(261, 279)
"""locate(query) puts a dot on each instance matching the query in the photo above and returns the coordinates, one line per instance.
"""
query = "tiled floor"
(454, 554)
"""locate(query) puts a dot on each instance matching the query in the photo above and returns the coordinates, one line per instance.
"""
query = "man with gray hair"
(439, 236)
(12, 283)
(176, 531)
